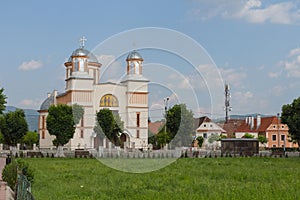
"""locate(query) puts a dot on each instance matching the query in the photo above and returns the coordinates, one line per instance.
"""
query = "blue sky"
(254, 44)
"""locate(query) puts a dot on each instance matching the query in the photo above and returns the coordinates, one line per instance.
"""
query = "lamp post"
(278, 133)
(166, 110)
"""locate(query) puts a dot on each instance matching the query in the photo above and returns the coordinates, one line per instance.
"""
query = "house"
(155, 127)
(231, 126)
(206, 128)
(269, 127)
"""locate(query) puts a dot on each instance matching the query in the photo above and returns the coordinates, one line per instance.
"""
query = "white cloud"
(294, 52)
(253, 11)
(234, 77)
(292, 64)
(274, 74)
(29, 103)
(30, 65)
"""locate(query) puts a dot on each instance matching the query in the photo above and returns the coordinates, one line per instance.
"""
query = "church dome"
(83, 52)
(134, 55)
(47, 103)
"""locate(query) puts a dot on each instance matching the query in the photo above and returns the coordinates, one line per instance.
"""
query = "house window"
(204, 125)
(138, 119)
(274, 145)
(43, 134)
(282, 126)
(274, 126)
(205, 135)
(137, 133)
(81, 134)
(211, 125)
(282, 137)
(274, 137)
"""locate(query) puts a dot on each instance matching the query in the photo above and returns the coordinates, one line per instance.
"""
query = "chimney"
(246, 120)
(258, 123)
(48, 94)
(252, 123)
(54, 93)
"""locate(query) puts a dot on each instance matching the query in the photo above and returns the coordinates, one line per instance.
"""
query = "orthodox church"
(129, 99)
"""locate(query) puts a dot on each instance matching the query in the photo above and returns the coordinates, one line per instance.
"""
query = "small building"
(242, 146)
(276, 132)
(206, 128)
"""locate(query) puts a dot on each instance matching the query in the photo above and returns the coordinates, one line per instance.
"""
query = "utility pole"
(278, 132)
(227, 102)
(166, 110)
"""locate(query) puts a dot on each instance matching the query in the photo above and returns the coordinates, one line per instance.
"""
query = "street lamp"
(166, 109)
(278, 139)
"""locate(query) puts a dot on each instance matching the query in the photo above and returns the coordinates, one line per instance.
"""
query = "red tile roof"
(155, 127)
(265, 123)
(231, 126)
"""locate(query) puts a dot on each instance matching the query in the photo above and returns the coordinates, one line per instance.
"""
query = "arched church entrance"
(125, 140)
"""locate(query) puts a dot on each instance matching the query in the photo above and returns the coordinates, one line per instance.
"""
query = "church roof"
(47, 103)
(83, 52)
(134, 55)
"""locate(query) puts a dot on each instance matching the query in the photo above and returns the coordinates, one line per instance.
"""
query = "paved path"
(5, 194)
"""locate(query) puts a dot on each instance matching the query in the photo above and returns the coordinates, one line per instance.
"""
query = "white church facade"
(129, 99)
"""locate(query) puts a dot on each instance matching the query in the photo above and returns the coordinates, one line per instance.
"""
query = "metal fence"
(23, 188)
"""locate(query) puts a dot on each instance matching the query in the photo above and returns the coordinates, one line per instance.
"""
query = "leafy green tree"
(110, 125)
(248, 135)
(78, 112)
(262, 139)
(162, 138)
(2, 101)
(30, 138)
(200, 141)
(291, 116)
(60, 122)
(213, 138)
(1, 138)
(13, 127)
(180, 125)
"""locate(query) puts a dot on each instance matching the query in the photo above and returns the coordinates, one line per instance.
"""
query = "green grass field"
(187, 178)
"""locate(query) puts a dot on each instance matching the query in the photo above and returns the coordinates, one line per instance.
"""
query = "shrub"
(9, 173)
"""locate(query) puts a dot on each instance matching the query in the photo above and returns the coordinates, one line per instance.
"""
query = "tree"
(162, 138)
(30, 138)
(110, 125)
(262, 139)
(13, 127)
(248, 135)
(180, 125)
(200, 141)
(291, 116)
(60, 122)
(2, 101)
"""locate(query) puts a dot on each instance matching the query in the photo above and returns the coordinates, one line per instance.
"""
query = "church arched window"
(109, 100)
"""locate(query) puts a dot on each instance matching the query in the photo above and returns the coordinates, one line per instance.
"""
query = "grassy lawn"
(210, 178)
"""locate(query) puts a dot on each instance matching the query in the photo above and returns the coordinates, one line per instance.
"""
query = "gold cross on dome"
(82, 41)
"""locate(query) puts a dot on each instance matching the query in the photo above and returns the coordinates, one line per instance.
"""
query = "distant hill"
(220, 120)
(31, 116)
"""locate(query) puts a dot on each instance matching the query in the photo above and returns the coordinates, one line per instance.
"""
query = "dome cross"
(82, 41)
